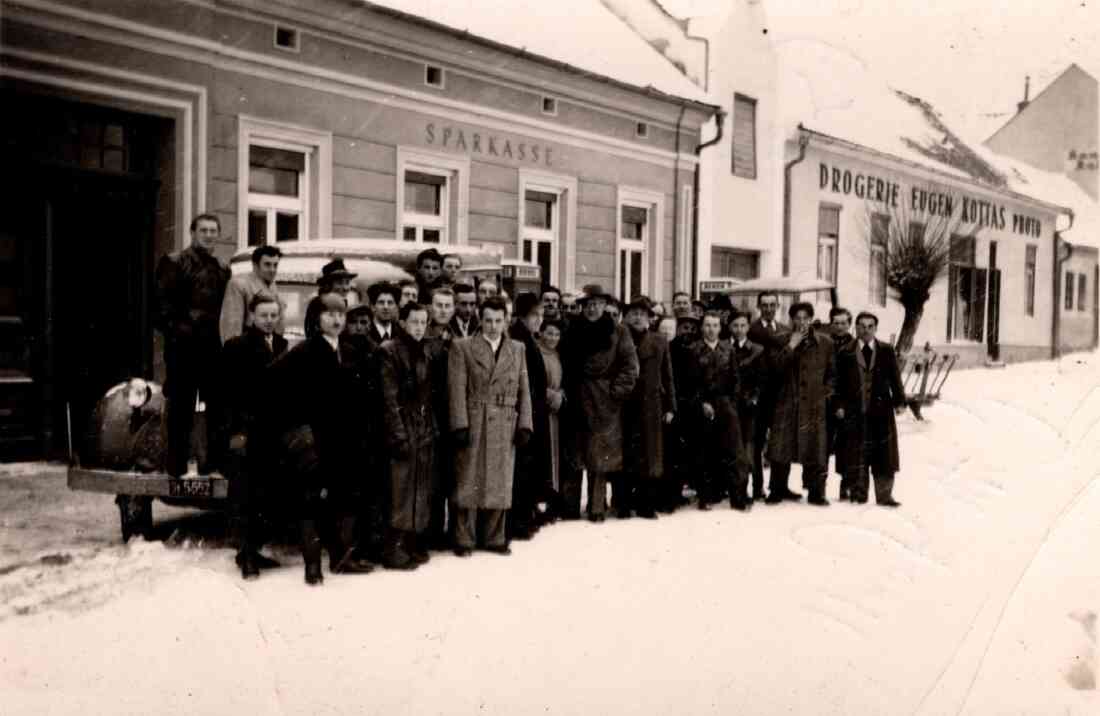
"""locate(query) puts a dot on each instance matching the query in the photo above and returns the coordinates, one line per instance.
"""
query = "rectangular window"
(425, 215)
(1081, 292)
(828, 238)
(1067, 291)
(278, 196)
(744, 136)
(540, 230)
(634, 227)
(1029, 277)
(734, 263)
(967, 288)
(880, 239)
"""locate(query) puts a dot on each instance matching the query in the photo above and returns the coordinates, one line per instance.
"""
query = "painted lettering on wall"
(925, 201)
(486, 144)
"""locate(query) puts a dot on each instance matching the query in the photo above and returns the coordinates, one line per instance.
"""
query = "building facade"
(294, 121)
(996, 301)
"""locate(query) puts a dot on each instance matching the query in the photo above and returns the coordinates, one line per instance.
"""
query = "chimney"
(1027, 91)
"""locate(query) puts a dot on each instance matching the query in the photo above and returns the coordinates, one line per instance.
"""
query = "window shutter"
(744, 136)
(977, 319)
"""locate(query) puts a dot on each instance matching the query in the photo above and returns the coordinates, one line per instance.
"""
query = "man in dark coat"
(805, 371)
(314, 433)
(439, 332)
(840, 329)
(683, 466)
(383, 298)
(245, 359)
(870, 394)
(648, 411)
(490, 415)
(750, 368)
(465, 322)
(190, 289)
(335, 278)
(411, 431)
(533, 482)
(364, 360)
(768, 332)
(717, 435)
(600, 366)
(429, 270)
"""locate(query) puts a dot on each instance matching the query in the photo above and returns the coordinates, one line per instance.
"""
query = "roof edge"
(1056, 80)
(648, 91)
(830, 139)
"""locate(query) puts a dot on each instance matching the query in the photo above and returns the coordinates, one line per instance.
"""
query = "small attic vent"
(641, 130)
(549, 106)
(286, 38)
(433, 76)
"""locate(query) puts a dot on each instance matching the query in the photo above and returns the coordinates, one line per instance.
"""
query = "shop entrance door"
(993, 313)
(82, 240)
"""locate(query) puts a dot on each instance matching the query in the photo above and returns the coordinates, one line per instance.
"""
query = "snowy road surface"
(979, 596)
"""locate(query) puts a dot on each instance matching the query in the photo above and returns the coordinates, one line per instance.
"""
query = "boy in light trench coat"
(490, 413)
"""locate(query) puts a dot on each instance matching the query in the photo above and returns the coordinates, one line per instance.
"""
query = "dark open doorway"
(81, 229)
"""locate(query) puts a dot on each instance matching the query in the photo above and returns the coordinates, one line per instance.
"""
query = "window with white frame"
(432, 196)
(426, 207)
(828, 236)
(541, 228)
(284, 182)
(638, 246)
(278, 193)
(634, 226)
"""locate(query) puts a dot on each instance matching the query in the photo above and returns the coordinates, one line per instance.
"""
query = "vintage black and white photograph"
(562, 357)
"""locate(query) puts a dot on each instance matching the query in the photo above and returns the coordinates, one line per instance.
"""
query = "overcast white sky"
(969, 57)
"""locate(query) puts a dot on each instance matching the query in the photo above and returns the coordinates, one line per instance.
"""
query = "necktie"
(867, 353)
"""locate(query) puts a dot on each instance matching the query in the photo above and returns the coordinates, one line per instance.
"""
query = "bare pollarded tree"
(910, 248)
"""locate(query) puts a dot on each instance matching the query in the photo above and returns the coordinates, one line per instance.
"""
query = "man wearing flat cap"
(600, 367)
(335, 278)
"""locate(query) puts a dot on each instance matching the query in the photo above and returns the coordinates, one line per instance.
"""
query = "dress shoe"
(759, 497)
(314, 578)
(622, 514)
(647, 514)
(501, 549)
(890, 502)
(792, 496)
(249, 568)
(774, 499)
(741, 505)
(819, 501)
(596, 518)
(703, 506)
(463, 551)
(399, 559)
(258, 560)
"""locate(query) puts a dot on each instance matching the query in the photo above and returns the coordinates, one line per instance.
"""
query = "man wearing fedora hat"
(601, 367)
(335, 278)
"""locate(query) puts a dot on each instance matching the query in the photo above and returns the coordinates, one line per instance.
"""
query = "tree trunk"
(913, 313)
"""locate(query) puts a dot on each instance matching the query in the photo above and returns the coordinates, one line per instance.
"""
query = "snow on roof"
(581, 33)
(833, 93)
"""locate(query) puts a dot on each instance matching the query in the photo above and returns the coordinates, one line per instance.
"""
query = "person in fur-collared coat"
(601, 367)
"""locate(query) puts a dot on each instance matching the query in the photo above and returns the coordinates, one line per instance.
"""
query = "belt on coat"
(502, 401)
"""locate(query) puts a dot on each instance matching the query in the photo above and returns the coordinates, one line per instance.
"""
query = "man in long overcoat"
(805, 372)
(717, 434)
(190, 288)
(600, 367)
(840, 329)
(244, 360)
(490, 413)
(750, 372)
(309, 422)
(649, 409)
(411, 430)
(870, 393)
(768, 332)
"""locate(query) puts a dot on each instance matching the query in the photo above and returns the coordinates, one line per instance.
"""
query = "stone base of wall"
(976, 356)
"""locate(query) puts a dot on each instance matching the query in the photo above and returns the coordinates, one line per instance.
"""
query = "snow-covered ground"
(979, 596)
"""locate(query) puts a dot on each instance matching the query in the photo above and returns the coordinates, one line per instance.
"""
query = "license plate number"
(190, 488)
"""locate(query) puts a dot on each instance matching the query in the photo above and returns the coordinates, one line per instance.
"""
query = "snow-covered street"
(979, 596)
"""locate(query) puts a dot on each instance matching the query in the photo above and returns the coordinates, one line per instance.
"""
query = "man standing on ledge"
(190, 288)
(490, 413)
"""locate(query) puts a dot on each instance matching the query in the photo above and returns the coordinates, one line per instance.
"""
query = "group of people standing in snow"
(446, 417)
